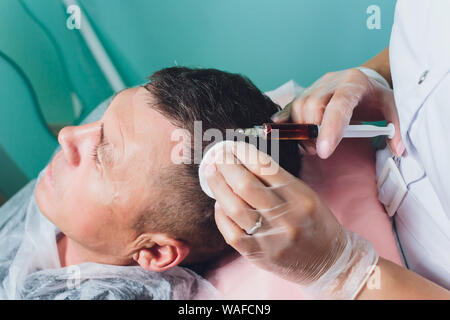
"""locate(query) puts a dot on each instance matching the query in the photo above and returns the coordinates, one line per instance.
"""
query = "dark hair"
(219, 100)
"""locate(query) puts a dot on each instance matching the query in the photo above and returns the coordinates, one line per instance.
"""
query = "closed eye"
(100, 145)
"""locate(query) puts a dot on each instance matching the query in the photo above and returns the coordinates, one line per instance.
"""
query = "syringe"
(302, 132)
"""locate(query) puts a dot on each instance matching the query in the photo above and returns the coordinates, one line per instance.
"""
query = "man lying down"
(112, 216)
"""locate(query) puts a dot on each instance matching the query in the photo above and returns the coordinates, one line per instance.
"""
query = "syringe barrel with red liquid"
(302, 132)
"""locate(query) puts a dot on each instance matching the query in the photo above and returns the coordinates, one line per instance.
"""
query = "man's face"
(96, 185)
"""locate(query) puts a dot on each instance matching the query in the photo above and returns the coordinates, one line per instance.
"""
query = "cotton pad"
(208, 158)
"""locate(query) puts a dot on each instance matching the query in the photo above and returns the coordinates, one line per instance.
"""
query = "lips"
(49, 174)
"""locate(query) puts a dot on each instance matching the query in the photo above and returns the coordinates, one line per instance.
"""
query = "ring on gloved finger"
(256, 227)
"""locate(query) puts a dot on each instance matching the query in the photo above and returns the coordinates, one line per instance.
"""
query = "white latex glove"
(300, 239)
(336, 98)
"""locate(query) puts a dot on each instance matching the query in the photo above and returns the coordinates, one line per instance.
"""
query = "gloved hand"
(338, 97)
(299, 238)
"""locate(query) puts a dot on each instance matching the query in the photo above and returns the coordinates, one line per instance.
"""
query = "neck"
(71, 253)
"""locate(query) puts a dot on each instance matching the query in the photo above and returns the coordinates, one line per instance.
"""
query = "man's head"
(113, 189)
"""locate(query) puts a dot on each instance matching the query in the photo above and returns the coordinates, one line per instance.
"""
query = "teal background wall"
(270, 41)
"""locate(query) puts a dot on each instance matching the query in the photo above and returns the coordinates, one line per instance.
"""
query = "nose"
(75, 141)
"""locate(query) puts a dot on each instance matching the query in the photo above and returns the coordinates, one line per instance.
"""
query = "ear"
(162, 253)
